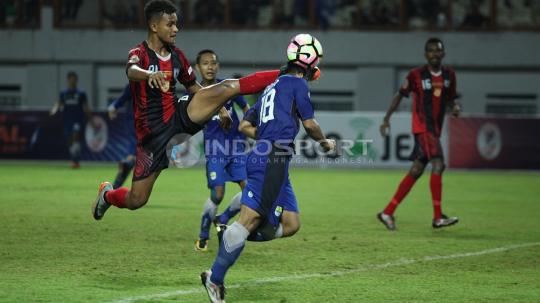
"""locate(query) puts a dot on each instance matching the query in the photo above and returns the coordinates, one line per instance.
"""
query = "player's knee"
(438, 167)
(216, 195)
(416, 172)
(291, 228)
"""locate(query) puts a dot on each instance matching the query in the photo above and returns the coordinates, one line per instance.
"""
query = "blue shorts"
(269, 191)
(72, 127)
(225, 169)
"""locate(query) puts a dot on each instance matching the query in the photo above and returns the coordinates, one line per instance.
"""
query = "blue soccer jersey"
(276, 116)
(220, 142)
(281, 106)
(225, 149)
(72, 103)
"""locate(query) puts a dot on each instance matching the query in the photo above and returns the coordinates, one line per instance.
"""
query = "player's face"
(72, 82)
(434, 54)
(166, 28)
(208, 66)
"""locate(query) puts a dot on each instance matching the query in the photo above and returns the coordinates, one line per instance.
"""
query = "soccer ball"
(305, 50)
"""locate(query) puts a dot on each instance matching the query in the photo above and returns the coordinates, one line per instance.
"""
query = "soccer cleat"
(387, 220)
(444, 221)
(216, 293)
(201, 245)
(100, 206)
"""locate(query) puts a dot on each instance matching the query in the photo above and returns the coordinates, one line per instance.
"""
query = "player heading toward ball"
(153, 68)
(269, 209)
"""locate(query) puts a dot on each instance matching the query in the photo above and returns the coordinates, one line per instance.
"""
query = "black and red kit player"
(433, 89)
(153, 68)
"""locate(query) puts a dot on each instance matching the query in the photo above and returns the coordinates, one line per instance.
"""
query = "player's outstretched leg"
(208, 100)
(100, 206)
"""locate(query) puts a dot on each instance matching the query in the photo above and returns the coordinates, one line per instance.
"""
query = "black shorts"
(151, 154)
(427, 146)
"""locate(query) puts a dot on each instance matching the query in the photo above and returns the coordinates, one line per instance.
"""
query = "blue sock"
(231, 210)
(230, 247)
(123, 172)
(209, 212)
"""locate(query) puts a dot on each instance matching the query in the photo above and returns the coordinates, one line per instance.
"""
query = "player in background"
(269, 208)
(153, 68)
(433, 88)
(126, 164)
(74, 105)
(225, 153)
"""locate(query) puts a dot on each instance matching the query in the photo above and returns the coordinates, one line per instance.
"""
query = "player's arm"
(248, 126)
(307, 115)
(314, 132)
(248, 129)
(385, 125)
(155, 79)
(56, 107)
(112, 110)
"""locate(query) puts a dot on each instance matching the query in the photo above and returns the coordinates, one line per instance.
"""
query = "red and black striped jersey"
(431, 93)
(154, 107)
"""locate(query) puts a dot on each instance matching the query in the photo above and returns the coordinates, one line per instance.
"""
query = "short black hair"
(433, 40)
(156, 8)
(291, 68)
(205, 51)
(72, 74)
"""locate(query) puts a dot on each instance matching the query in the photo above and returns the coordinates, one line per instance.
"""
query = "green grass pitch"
(51, 250)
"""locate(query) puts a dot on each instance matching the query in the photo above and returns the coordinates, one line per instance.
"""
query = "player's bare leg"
(206, 102)
(123, 197)
(387, 215)
(290, 222)
(439, 219)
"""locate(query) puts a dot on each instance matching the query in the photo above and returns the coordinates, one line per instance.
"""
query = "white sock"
(210, 208)
(235, 236)
(235, 202)
(279, 231)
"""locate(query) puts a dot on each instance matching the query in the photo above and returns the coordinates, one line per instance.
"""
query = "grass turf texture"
(53, 251)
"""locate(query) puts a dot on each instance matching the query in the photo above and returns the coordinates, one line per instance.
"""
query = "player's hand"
(385, 128)
(225, 120)
(456, 110)
(112, 113)
(328, 145)
(157, 80)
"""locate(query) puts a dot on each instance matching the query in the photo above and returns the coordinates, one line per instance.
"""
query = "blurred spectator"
(208, 12)
(474, 18)
(70, 9)
(121, 13)
(534, 6)
(9, 8)
(324, 9)
(246, 12)
(379, 14)
(30, 12)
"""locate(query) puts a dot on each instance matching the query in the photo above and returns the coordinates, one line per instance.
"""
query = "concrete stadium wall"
(369, 65)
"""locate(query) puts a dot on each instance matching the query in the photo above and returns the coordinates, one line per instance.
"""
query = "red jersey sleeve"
(187, 75)
(406, 87)
(136, 57)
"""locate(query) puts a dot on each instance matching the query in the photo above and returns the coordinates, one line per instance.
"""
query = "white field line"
(362, 268)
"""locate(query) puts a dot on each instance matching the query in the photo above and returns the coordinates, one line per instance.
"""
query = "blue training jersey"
(72, 103)
(126, 100)
(231, 140)
(279, 109)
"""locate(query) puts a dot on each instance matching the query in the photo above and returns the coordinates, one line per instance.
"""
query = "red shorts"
(427, 146)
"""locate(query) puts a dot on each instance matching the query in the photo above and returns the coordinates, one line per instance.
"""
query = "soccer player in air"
(126, 164)
(153, 68)
(269, 209)
(225, 153)
(74, 105)
(433, 88)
